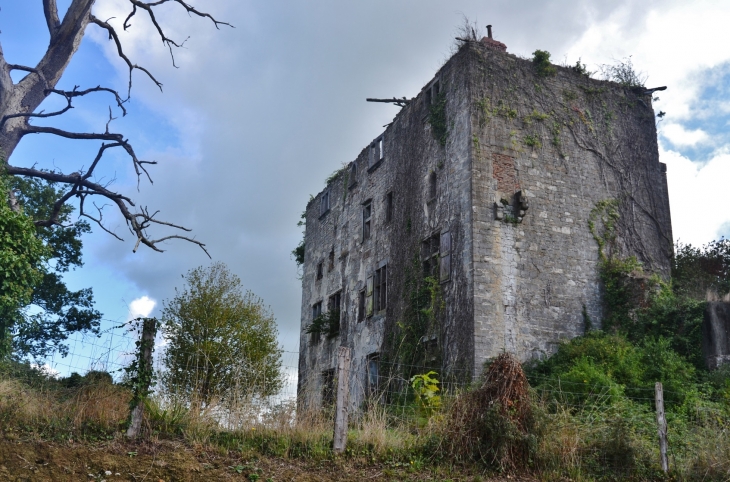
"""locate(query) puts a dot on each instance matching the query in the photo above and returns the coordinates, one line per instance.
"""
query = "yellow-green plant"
(426, 387)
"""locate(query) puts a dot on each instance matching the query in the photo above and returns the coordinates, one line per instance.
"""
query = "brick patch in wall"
(503, 170)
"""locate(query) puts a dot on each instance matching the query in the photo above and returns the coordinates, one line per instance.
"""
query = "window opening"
(432, 186)
(320, 270)
(331, 264)
(380, 291)
(381, 149)
(324, 203)
(316, 313)
(430, 256)
(353, 174)
(334, 307)
(373, 373)
(328, 387)
(388, 207)
(361, 306)
(367, 211)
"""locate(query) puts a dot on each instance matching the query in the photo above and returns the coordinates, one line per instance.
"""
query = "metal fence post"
(661, 425)
(343, 396)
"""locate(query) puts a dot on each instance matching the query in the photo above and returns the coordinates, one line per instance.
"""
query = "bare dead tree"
(19, 104)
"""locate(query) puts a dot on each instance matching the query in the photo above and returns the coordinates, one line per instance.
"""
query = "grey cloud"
(281, 100)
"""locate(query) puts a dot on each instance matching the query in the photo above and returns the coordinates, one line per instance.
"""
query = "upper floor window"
(324, 205)
(380, 291)
(430, 255)
(331, 264)
(377, 152)
(320, 270)
(367, 214)
(353, 175)
(316, 313)
(361, 305)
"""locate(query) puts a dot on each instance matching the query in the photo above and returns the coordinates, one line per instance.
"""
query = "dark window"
(361, 306)
(369, 297)
(367, 212)
(430, 256)
(334, 303)
(377, 153)
(324, 203)
(353, 174)
(380, 289)
(432, 186)
(331, 265)
(320, 270)
(388, 207)
(373, 373)
(316, 313)
(328, 387)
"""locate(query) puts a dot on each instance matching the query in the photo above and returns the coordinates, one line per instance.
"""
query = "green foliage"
(328, 323)
(541, 61)
(580, 69)
(55, 310)
(695, 271)
(532, 141)
(623, 72)
(299, 251)
(221, 341)
(535, 116)
(602, 225)
(437, 118)
(426, 388)
(22, 255)
(139, 375)
(602, 368)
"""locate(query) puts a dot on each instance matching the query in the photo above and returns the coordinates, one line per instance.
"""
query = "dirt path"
(165, 461)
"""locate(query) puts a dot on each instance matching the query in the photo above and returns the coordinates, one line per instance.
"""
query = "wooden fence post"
(343, 396)
(143, 374)
(661, 422)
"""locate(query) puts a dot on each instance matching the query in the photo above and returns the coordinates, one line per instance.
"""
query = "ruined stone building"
(472, 224)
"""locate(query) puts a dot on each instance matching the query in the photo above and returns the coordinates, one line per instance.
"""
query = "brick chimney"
(491, 43)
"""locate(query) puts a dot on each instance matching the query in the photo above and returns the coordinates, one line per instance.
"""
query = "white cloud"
(46, 370)
(698, 196)
(141, 307)
(681, 137)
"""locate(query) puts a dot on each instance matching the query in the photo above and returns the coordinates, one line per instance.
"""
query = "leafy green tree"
(22, 254)
(222, 342)
(53, 311)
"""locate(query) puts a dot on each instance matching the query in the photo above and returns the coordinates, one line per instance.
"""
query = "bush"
(541, 61)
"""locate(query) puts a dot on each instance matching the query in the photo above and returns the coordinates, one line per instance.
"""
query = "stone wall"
(414, 162)
(505, 168)
(571, 142)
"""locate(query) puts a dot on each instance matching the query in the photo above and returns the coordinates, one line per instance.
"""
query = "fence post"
(343, 396)
(661, 425)
(143, 375)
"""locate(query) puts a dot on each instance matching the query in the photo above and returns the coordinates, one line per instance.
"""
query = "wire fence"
(599, 428)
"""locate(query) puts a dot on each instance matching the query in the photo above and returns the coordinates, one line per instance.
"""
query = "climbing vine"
(437, 118)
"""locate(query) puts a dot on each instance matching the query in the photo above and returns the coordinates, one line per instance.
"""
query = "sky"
(251, 120)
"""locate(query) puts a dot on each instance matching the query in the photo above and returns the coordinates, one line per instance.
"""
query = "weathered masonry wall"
(476, 202)
(564, 143)
(427, 180)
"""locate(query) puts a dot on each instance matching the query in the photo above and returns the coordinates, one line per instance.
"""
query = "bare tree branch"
(113, 36)
(50, 10)
(19, 103)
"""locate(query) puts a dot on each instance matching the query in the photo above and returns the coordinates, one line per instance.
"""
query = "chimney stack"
(489, 31)
(491, 43)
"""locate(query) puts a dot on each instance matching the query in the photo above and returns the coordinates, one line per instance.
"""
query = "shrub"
(541, 61)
